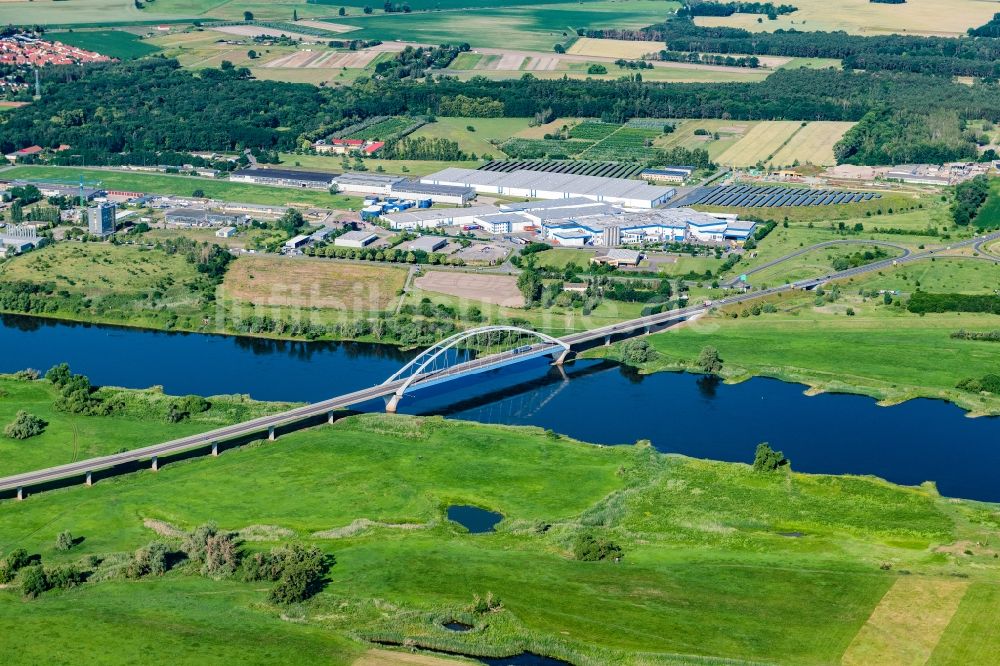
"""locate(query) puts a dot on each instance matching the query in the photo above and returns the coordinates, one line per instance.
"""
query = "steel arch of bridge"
(417, 366)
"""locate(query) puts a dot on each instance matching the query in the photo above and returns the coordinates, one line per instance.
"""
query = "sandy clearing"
(390, 658)
(332, 27)
(257, 31)
(496, 289)
(324, 60)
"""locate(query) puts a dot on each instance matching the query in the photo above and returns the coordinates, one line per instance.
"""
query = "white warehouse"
(546, 185)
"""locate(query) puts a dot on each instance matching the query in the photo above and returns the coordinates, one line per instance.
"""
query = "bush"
(16, 560)
(24, 425)
(709, 360)
(591, 548)
(767, 459)
(63, 578)
(149, 561)
(34, 581)
(302, 571)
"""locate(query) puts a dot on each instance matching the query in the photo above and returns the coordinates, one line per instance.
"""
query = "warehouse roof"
(427, 214)
(568, 202)
(427, 243)
(368, 179)
(416, 187)
(589, 186)
(360, 236)
(593, 210)
(287, 174)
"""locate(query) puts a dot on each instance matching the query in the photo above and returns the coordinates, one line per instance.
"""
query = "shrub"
(16, 560)
(767, 459)
(63, 578)
(149, 561)
(24, 425)
(34, 581)
(591, 548)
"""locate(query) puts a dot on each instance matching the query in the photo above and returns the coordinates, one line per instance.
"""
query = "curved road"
(846, 241)
(324, 407)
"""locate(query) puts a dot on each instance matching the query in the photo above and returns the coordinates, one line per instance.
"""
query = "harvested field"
(324, 59)
(812, 144)
(324, 25)
(907, 624)
(258, 31)
(950, 18)
(313, 283)
(390, 658)
(613, 48)
(757, 145)
(496, 289)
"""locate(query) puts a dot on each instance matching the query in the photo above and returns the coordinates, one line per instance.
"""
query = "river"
(591, 400)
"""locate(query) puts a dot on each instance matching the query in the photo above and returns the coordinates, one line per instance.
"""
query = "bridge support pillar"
(607, 340)
(562, 357)
(270, 434)
(156, 464)
(20, 494)
(391, 405)
(90, 479)
(215, 449)
(645, 331)
(329, 417)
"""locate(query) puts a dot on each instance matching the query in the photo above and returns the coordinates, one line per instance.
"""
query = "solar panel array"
(574, 167)
(749, 196)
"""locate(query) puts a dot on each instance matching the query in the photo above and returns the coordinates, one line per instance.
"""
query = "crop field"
(593, 130)
(478, 140)
(184, 185)
(530, 149)
(312, 284)
(626, 143)
(812, 144)
(950, 18)
(528, 27)
(113, 43)
(383, 130)
(760, 143)
(95, 12)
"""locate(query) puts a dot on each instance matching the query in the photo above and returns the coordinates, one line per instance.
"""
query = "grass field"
(971, 638)
(704, 571)
(184, 185)
(412, 168)
(69, 437)
(114, 43)
(919, 17)
(313, 284)
(881, 351)
(456, 129)
(812, 263)
(812, 144)
(30, 12)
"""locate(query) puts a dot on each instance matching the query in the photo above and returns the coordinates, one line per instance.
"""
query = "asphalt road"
(262, 424)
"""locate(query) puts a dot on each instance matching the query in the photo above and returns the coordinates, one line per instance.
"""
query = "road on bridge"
(327, 407)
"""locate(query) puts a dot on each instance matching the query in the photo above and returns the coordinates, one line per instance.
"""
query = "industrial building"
(426, 243)
(355, 239)
(226, 232)
(672, 174)
(18, 239)
(101, 219)
(424, 218)
(366, 183)
(503, 223)
(296, 242)
(548, 185)
(445, 194)
(201, 217)
(54, 190)
(316, 180)
(618, 257)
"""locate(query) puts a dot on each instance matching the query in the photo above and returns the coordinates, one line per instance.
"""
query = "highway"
(325, 407)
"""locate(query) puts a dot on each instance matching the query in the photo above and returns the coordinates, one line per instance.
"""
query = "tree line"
(730, 8)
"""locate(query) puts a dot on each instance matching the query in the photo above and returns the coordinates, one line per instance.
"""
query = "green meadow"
(113, 43)
(706, 574)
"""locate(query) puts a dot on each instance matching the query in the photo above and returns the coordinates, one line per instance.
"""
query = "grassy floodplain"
(705, 573)
(114, 43)
(882, 351)
(184, 186)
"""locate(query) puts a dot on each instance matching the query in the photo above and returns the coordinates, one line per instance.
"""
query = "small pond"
(523, 659)
(474, 519)
(455, 625)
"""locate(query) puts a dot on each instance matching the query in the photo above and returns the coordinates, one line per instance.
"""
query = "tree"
(530, 285)
(709, 360)
(226, 65)
(367, 9)
(64, 541)
(198, 194)
(24, 425)
(247, 16)
(252, 54)
(637, 351)
(767, 459)
(295, 15)
(341, 12)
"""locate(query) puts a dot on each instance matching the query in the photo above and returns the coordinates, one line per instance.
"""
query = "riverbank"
(719, 561)
(853, 344)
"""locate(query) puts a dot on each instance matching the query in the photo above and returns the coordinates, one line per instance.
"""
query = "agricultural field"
(307, 285)
(535, 28)
(166, 184)
(760, 143)
(625, 144)
(812, 144)
(78, 12)
(530, 149)
(383, 130)
(705, 571)
(494, 289)
(478, 140)
(412, 168)
(113, 43)
(950, 18)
